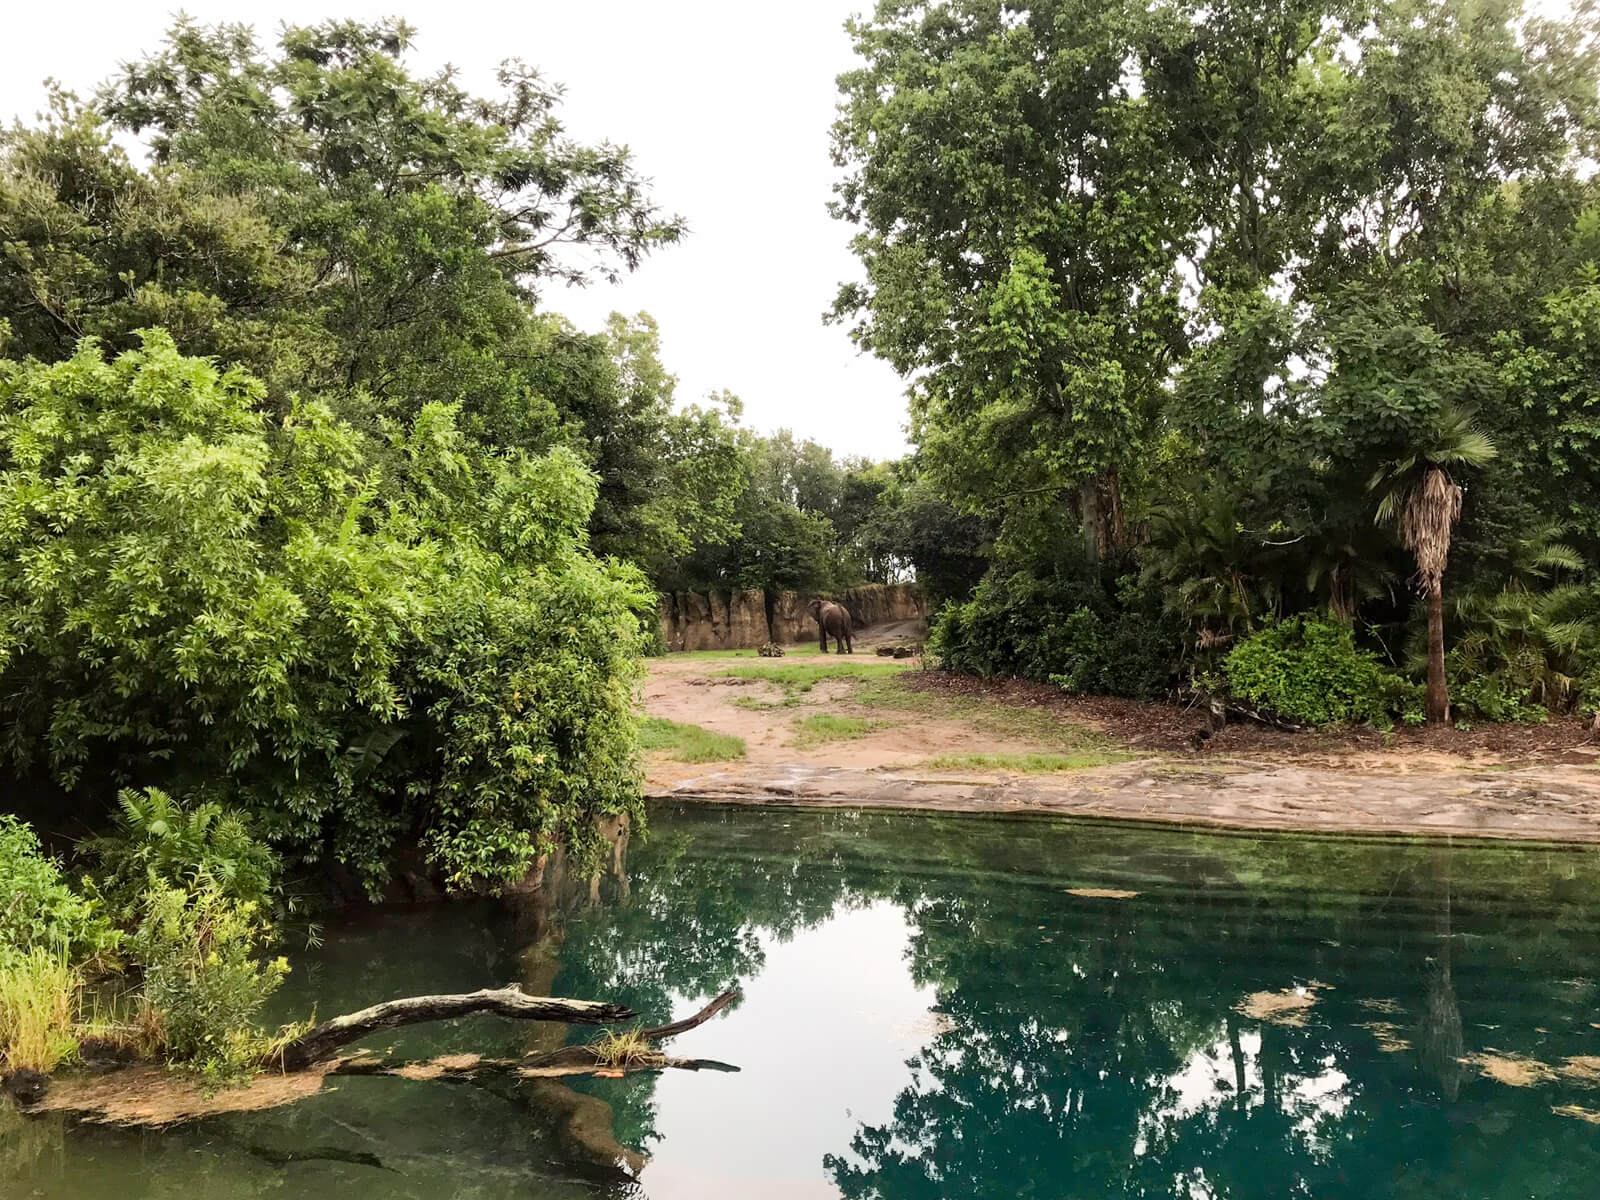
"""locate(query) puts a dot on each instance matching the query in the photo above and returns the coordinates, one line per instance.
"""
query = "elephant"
(835, 619)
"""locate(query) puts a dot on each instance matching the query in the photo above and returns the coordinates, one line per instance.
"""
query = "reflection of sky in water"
(850, 1016)
(1209, 1080)
(1084, 1047)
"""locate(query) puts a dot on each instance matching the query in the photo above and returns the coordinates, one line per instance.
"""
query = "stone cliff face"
(744, 620)
(714, 620)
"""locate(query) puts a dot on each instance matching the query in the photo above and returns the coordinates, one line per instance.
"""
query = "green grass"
(802, 650)
(754, 705)
(1027, 764)
(819, 728)
(796, 679)
(990, 717)
(37, 994)
(689, 743)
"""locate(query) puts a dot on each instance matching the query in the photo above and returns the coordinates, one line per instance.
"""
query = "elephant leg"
(849, 643)
(824, 640)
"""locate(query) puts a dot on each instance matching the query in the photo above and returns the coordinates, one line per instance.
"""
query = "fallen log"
(662, 1032)
(320, 1043)
(569, 1060)
(148, 1094)
(565, 1060)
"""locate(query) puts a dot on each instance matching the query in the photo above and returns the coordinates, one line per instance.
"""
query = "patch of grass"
(801, 650)
(689, 743)
(1027, 764)
(799, 678)
(819, 728)
(755, 705)
(38, 991)
(1010, 721)
(625, 1049)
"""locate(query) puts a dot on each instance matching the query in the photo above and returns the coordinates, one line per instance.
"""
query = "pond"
(959, 1007)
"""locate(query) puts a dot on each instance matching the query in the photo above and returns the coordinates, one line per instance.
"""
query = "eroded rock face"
(791, 622)
(876, 604)
(746, 620)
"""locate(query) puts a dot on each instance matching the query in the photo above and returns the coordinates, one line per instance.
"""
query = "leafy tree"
(326, 219)
(191, 592)
(911, 526)
(1016, 231)
(1264, 245)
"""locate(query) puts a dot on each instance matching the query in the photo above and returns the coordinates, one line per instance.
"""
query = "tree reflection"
(1093, 1047)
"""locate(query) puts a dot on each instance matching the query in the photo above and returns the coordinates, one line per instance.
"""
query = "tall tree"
(1018, 223)
(1422, 499)
(323, 216)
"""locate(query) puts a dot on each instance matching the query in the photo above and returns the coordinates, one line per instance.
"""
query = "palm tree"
(1421, 498)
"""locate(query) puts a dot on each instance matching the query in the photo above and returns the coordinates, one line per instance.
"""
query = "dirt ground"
(1530, 781)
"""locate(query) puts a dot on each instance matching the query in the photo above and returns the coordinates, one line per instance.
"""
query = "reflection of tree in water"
(1101, 1055)
(1441, 1042)
(688, 925)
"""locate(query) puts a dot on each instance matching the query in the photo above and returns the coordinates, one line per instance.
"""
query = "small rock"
(26, 1087)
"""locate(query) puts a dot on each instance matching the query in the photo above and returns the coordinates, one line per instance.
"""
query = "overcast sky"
(726, 105)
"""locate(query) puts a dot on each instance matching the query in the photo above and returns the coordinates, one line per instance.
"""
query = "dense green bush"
(364, 658)
(1495, 696)
(1311, 671)
(204, 976)
(1520, 652)
(1061, 629)
(158, 841)
(38, 909)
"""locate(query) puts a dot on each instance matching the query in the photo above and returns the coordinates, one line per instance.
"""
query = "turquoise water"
(933, 1009)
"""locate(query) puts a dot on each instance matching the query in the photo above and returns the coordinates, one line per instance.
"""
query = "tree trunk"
(1105, 528)
(1438, 703)
(511, 1001)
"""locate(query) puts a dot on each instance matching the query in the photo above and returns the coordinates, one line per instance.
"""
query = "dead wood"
(566, 1060)
(321, 1042)
(569, 1060)
(662, 1032)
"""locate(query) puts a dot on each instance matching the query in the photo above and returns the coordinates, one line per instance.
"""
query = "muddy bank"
(1534, 782)
(1548, 804)
(1150, 726)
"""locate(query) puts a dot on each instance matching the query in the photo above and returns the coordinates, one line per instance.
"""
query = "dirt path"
(912, 741)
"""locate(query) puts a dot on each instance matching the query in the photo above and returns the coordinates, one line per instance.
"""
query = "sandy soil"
(1533, 782)
(692, 691)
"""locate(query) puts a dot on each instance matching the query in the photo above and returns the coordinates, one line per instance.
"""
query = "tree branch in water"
(320, 1043)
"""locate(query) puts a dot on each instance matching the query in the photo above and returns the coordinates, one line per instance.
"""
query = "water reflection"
(1092, 1047)
(944, 1007)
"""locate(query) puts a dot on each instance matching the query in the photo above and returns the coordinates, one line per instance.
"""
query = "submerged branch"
(569, 1060)
(322, 1042)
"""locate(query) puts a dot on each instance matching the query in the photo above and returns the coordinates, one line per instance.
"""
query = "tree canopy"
(1141, 263)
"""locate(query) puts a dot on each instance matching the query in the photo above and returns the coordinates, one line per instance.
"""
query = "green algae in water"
(963, 1007)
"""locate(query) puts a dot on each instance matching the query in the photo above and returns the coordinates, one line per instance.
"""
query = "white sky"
(726, 105)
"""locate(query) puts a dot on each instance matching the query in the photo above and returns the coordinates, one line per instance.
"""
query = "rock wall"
(713, 620)
(744, 620)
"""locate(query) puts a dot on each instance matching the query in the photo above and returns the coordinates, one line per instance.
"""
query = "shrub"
(1062, 629)
(1311, 671)
(371, 657)
(1496, 696)
(203, 981)
(38, 910)
(1521, 654)
(159, 842)
(38, 990)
